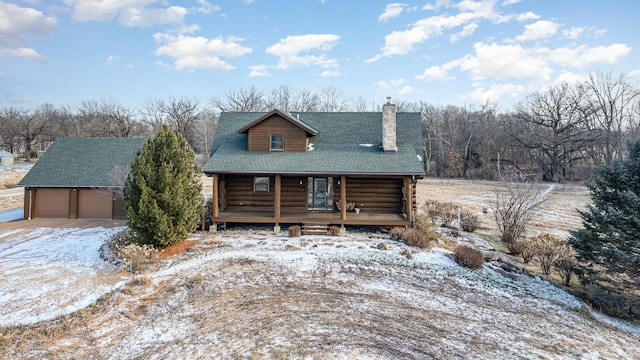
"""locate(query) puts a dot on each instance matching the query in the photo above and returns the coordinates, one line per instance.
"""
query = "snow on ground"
(46, 272)
(241, 294)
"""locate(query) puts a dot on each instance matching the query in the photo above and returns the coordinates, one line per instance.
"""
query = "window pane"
(277, 142)
(261, 184)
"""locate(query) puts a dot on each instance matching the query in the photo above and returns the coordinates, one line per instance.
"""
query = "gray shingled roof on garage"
(348, 143)
(82, 162)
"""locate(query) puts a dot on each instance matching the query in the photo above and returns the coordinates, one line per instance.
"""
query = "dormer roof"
(294, 120)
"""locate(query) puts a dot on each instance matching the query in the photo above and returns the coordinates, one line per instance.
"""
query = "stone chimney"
(389, 126)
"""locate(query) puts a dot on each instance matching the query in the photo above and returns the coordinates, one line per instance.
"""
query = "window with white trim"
(276, 142)
(261, 184)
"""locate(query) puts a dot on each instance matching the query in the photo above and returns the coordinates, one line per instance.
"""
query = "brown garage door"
(52, 203)
(94, 204)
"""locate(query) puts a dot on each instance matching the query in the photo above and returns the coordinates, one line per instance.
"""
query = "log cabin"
(320, 168)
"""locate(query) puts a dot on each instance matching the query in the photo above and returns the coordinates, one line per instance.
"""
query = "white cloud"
(495, 92)
(433, 73)
(467, 30)
(22, 52)
(290, 50)
(16, 24)
(382, 84)
(129, 12)
(148, 17)
(634, 74)
(570, 78)
(574, 32)
(404, 42)
(191, 52)
(510, 2)
(392, 10)
(406, 90)
(438, 4)
(527, 16)
(538, 30)
(330, 73)
(259, 71)
(206, 7)
(112, 58)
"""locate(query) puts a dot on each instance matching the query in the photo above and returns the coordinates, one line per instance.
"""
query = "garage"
(52, 203)
(94, 204)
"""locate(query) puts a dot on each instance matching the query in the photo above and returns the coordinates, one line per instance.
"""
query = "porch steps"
(315, 229)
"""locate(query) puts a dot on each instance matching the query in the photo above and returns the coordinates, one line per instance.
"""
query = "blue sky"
(438, 51)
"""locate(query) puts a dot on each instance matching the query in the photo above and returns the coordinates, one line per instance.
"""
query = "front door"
(320, 192)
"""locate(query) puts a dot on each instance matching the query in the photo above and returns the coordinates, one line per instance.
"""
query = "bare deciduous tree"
(514, 207)
(181, 114)
(250, 99)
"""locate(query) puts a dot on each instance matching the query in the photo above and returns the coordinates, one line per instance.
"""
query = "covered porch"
(385, 201)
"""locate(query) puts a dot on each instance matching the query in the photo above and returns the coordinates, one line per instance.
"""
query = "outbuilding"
(80, 178)
(6, 158)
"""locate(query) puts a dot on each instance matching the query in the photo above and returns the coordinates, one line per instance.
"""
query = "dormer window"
(276, 142)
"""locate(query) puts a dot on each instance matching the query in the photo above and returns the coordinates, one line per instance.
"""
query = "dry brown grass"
(176, 249)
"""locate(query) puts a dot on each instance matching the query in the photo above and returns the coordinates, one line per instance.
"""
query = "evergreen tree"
(610, 239)
(163, 192)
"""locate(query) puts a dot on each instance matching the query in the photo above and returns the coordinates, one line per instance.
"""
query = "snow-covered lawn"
(242, 294)
(47, 272)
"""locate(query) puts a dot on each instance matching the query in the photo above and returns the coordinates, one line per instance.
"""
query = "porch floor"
(311, 216)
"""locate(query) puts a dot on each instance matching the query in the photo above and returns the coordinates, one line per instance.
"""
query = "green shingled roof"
(82, 162)
(347, 143)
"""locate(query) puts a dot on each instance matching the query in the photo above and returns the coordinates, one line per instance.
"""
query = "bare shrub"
(547, 251)
(515, 247)
(137, 257)
(431, 208)
(334, 231)
(295, 231)
(514, 208)
(565, 263)
(469, 221)
(528, 249)
(448, 213)
(423, 222)
(418, 238)
(468, 257)
(396, 233)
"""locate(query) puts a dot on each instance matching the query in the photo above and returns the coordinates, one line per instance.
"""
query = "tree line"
(560, 134)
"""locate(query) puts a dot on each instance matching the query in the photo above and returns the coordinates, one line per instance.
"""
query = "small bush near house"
(295, 231)
(468, 257)
(418, 238)
(423, 222)
(566, 263)
(396, 233)
(431, 208)
(547, 251)
(469, 222)
(526, 247)
(334, 231)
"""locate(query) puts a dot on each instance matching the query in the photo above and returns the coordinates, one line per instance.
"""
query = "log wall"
(374, 195)
(239, 193)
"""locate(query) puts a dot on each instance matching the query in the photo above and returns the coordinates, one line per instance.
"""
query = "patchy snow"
(366, 145)
(47, 272)
(310, 147)
(246, 294)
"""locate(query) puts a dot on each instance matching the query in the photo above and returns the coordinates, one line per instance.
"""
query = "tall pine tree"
(610, 239)
(163, 192)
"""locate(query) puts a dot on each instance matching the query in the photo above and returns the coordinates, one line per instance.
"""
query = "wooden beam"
(215, 195)
(409, 196)
(343, 197)
(277, 196)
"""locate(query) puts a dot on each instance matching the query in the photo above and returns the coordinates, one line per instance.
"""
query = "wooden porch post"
(278, 193)
(215, 196)
(343, 197)
(409, 196)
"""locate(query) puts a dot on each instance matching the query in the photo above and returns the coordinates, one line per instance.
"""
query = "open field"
(252, 294)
